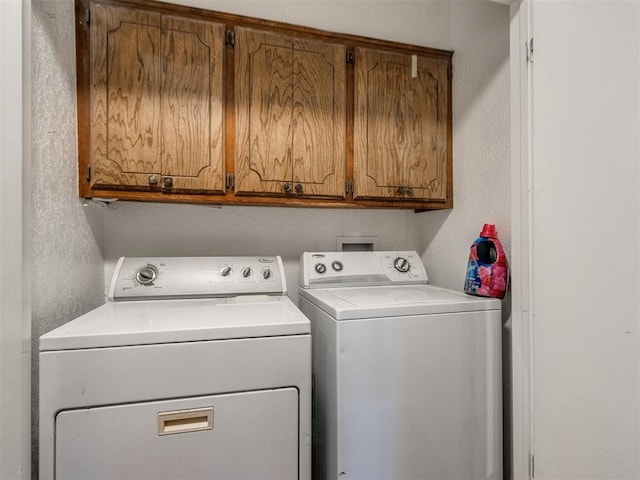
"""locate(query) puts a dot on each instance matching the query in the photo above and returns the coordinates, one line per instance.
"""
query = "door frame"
(521, 61)
(15, 192)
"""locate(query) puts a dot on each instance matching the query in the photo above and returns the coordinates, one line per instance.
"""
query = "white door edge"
(15, 324)
(521, 232)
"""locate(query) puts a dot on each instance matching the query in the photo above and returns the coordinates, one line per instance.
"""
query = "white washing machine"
(407, 376)
(196, 368)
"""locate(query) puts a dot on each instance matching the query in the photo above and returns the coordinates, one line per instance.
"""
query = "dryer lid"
(392, 301)
(116, 324)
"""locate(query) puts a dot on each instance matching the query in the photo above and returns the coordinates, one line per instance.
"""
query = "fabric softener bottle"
(487, 270)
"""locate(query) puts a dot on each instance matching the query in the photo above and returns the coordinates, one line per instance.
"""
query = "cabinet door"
(192, 106)
(125, 96)
(156, 101)
(400, 126)
(319, 122)
(290, 115)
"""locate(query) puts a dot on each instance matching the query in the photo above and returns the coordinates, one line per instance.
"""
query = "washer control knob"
(402, 264)
(321, 268)
(146, 275)
(337, 265)
(266, 274)
(246, 272)
(226, 271)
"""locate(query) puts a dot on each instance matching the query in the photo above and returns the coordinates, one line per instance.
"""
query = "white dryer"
(407, 376)
(195, 368)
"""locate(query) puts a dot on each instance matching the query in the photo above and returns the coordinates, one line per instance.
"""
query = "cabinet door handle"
(400, 191)
(409, 191)
(287, 188)
(153, 180)
(298, 188)
(168, 182)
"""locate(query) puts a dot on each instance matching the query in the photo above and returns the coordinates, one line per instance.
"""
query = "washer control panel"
(138, 278)
(361, 268)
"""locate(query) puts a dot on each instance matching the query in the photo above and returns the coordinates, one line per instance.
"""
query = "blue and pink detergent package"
(487, 270)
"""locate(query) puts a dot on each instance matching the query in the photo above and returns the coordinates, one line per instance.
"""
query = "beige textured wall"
(67, 237)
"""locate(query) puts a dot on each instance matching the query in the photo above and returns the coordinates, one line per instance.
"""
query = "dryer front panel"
(233, 436)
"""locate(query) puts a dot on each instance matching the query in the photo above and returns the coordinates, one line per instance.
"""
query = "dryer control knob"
(226, 271)
(337, 265)
(146, 275)
(266, 274)
(246, 272)
(321, 268)
(402, 264)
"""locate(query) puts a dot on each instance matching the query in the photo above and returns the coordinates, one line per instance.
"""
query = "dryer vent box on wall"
(356, 244)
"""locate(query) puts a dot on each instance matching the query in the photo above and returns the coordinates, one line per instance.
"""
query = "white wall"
(67, 273)
(586, 221)
(418, 22)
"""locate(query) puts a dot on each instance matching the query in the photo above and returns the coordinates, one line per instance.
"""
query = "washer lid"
(394, 301)
(171, 321)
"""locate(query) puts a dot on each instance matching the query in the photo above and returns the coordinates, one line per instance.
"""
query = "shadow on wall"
(429, 229)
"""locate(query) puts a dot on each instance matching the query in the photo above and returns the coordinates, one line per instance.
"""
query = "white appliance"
(195, 368)
(407, 376)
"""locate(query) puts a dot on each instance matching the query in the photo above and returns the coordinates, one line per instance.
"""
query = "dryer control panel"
(139, 278)
(322, 269)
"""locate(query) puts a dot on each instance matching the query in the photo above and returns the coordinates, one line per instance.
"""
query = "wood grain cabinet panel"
(401, 124)
(290, 98)
(156, 84)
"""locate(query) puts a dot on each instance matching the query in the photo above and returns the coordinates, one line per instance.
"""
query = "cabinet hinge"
(88, 173)
(529, 50)
(351, 57)
(230, 181)
(348, 187)
(230, 38)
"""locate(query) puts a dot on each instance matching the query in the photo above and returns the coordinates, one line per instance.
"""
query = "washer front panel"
(425, 403)
(407, 397)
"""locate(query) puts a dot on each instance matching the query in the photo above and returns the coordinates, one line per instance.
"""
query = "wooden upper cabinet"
(401, 126)
(183, 104)
(156, 110)
(290, 96)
